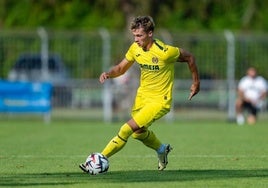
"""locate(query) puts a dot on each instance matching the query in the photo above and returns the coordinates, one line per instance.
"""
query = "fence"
(222, 59)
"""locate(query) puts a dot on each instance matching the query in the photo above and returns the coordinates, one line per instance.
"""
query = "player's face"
(142, 38)
(252, 72)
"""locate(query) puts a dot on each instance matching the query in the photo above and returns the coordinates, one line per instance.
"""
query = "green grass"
(207, 153)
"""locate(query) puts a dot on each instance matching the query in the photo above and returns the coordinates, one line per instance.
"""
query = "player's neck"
(148, 46)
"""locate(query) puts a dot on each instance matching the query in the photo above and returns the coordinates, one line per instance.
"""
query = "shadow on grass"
(70, 178)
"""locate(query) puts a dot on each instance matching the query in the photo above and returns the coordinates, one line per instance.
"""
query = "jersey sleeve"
(170, 53)
(242, 84)
(174, 53)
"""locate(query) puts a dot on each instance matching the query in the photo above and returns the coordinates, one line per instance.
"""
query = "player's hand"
(104, 76)
(195, 87)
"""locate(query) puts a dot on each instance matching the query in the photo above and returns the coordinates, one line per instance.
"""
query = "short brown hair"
(145, 22)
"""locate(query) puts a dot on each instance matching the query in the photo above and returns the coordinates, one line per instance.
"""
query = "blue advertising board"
(20, 97)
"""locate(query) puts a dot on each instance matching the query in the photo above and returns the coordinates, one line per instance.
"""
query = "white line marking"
(135, 156)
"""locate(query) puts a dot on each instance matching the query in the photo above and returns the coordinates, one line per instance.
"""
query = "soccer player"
(154, 95)
(252, 91)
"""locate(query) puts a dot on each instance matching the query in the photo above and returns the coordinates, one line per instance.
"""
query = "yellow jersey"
(157, 70)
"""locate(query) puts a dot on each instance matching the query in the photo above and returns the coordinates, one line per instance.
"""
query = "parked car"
(29, 67)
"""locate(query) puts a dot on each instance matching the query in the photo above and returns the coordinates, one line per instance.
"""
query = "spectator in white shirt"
(252, 91)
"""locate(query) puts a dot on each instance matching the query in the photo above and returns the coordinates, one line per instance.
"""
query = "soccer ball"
(96, 163)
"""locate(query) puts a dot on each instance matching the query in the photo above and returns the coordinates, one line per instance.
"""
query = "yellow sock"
(149, 139)
(118, 142)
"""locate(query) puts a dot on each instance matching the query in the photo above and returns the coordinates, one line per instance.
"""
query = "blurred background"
(69, 43)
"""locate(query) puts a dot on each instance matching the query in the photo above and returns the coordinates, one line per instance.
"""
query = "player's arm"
(264, 91)
(116, 71)
(263, 95)
(187, 57)
(240, 94)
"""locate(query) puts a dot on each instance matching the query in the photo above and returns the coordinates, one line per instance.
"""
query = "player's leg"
(240, 120)
(148, 138)
(119, 141)
(145, 117)
(252, 117)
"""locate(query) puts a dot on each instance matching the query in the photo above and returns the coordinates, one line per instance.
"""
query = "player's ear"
(150, 33)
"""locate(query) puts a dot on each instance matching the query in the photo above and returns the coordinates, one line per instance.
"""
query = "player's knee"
(251, 119)
(140, 136)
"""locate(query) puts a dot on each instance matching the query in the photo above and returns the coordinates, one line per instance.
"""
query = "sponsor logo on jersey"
(150, 67)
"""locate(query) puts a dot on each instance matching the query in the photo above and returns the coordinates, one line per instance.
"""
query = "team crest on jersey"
(155, 60)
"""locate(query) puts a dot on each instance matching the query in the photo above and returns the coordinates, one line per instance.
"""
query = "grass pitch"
(207, 153)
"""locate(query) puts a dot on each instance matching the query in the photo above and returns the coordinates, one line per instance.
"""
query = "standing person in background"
(252, 91)
(154, 95)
